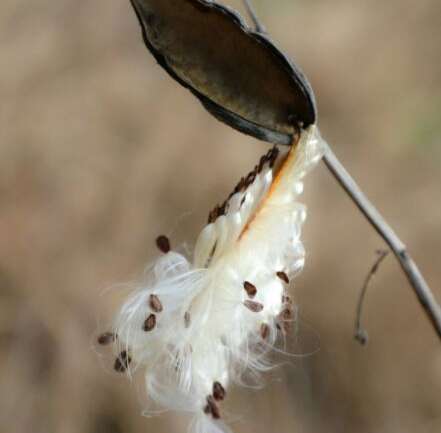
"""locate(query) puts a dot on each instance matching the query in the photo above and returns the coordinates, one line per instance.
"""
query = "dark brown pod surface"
(238, 75)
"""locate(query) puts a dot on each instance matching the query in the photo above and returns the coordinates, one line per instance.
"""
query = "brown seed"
(212, 408)
(250, 289)
(255, 307)
(264, 331)
(155, 304)
(163, 243)
(218, 391)
(273, 157)
(261, 163)
(212, 216)
(282, 275)
(223, 208)
(250, 178)
(239, 186)
(122, 362)
(187, 319)
(149, 323)
(242, 184)
(106, 338)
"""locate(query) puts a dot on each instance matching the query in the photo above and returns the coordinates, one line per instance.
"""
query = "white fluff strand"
(196, 325)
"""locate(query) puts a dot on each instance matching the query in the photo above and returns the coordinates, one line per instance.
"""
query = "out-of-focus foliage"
(100, 151)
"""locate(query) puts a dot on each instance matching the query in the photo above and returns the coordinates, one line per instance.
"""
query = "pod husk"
(239, 75)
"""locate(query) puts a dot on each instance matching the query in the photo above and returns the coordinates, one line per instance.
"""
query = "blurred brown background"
(100, 152)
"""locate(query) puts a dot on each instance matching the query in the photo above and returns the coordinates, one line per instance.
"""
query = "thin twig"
(413, 274)
(360, 333)
(410, 269)
(252, 13)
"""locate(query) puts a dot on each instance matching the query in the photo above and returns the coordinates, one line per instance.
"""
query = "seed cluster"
(284, 318)
(269, 158)
(156, 306)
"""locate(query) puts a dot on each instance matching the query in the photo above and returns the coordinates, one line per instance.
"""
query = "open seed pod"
(239, 75)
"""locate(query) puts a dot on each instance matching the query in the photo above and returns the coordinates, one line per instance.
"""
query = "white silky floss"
(197, 325)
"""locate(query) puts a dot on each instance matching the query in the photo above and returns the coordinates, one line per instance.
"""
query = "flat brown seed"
(122, 362)
(155, 304)
(149, 323)
(218, 391)
(250, 289)
(264, 331)
(255, 307)
(212, 408)
(282, 275)
(106, 338)
(163, 243)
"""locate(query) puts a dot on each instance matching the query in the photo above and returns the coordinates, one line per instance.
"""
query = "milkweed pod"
(239, 75)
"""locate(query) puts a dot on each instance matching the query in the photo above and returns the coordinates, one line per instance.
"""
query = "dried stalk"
(252, 13)
(360, 333)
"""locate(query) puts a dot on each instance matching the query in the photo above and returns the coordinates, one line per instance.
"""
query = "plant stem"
(252, 13)
(413, 274)
(360, 334)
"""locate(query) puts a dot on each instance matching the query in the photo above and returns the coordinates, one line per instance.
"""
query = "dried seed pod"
(255, 307)
(155, 304)
(106, 338)
(149, 323)
(239, 75)
(282, 275)
(163, 244)
(218, 391)
(250, 289)
(122, 362)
